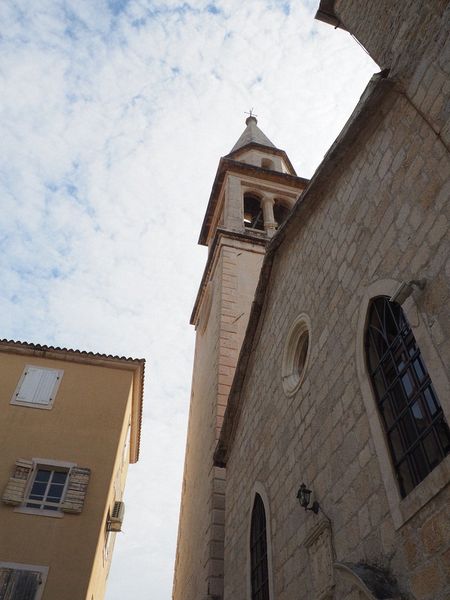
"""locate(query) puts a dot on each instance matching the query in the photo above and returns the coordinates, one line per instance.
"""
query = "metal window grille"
(416, 430)
(258, 552)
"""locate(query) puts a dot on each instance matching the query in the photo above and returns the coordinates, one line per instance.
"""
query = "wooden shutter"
(17, 584)
(38, 385)
(76, 490)
(14, 492)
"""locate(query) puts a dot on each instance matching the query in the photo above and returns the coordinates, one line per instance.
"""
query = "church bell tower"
(253, 192)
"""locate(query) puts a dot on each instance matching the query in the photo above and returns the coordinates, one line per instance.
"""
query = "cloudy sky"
(113, 116)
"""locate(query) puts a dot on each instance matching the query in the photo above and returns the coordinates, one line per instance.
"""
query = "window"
(416, 430)
(267, 163)
(280, 212)
(37, 387)
(295, 355)
(47, 487)
(258, 552)
(253, 214)
(21, 582)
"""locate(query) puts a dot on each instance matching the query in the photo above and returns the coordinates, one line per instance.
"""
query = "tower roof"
(252, 134)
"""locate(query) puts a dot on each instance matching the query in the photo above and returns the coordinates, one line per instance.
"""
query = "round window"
(296, 354)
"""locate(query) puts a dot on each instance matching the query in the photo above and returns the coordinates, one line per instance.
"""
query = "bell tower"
(254, 189)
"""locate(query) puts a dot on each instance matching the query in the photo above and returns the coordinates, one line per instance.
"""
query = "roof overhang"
(229, 165)
(327, 14)
(135, 365)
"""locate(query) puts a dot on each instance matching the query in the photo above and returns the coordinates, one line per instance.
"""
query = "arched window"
(280, 212)
(417, 432)
(266, 163)
(253, 214)
(258, 552)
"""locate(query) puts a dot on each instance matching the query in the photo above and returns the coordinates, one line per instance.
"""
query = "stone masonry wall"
(412, 39)
(385, 215)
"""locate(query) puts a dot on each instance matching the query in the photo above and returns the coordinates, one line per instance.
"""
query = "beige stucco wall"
(85, 426)
(382, 216)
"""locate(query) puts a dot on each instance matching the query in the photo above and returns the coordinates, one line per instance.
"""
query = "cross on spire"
(251, 113)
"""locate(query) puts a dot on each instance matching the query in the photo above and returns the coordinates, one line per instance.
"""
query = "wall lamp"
(304, 497)
(405, 289)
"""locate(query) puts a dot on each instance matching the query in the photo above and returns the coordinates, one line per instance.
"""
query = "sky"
(113, 117)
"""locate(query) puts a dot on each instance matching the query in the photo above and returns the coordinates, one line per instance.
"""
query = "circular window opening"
(296, 354)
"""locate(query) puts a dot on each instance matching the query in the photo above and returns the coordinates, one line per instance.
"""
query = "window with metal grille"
(416, 429)
(47, 488)
(258, 552)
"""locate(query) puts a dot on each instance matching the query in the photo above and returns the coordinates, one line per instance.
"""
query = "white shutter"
(38, 385)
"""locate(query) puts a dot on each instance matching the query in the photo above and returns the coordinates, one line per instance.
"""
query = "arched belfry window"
(253, 214)
(416, 429)
(280, 212)
(258, 552)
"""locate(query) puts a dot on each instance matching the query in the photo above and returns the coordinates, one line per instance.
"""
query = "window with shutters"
(47, 487)
(258, 552)
(22, 582)
(37, 387)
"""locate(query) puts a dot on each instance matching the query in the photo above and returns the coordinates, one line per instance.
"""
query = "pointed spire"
(252, 134)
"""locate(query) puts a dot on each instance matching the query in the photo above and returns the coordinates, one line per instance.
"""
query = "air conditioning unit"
(116, 518)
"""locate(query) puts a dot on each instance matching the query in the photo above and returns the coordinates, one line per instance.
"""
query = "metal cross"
(251, 113)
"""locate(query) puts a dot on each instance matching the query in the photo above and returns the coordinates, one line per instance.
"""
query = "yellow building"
(69, 427)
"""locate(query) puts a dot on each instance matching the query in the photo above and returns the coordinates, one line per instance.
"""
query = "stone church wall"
(381, 215)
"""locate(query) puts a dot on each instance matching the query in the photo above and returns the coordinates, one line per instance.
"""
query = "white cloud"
(114, 116)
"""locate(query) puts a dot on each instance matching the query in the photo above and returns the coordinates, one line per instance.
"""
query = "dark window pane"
(59, 477)
(431, 401)
(388, 367)
(386, 410)
(408, 384)
(38, 489)
(420, 463)
(432, 450)
(419, 370)
(55, 491)
(396, 443)
(419, 417)
(408, 429)
(43, 475)
(399, 398)
(443, 433)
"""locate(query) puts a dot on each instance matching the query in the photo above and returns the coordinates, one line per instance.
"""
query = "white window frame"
(38, 568)
(402, 509)
(51, 464)
(43, 406)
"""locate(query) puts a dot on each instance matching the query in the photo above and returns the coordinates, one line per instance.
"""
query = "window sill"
(48, 406)
(405, 508)
(39, 511)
